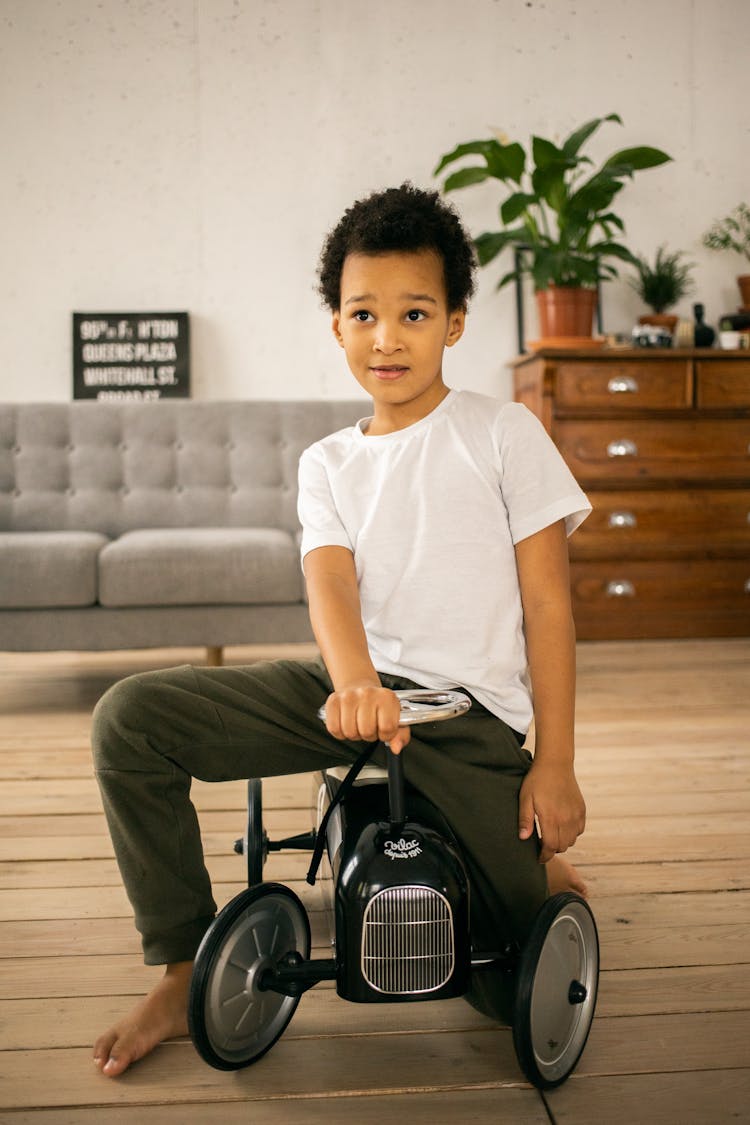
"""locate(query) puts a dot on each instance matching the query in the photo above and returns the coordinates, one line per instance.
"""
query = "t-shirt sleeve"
(537, 486)
(321, 523)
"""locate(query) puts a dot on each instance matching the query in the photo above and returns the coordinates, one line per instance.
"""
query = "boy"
(434, 552)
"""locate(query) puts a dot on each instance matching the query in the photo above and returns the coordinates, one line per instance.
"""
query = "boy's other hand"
(366, 712)
(550, 794)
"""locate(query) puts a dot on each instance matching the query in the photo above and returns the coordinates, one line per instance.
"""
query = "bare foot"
(161, 1015)
(562, 876)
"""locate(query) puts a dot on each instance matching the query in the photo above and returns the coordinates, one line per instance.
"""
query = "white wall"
(191, 154)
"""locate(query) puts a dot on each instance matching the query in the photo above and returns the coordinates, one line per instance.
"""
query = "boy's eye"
(415, 315)
(361, 315)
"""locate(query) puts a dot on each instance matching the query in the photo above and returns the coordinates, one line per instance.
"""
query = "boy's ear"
(456, 325)
(336, 328)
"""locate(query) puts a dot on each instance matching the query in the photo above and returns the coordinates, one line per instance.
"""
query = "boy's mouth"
(388, 371)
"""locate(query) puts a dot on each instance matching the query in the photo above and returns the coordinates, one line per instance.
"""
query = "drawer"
(698, 522)
(723, 383)
(623, 386)
(643, 450)
(628, 599)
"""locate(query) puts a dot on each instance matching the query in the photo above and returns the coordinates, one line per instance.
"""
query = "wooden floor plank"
(676, 876)
(499, 1105)
(384, 1063)
(684, 988)
(74, 1021)
(306, 1067)
(633, 797)
(716, 1097)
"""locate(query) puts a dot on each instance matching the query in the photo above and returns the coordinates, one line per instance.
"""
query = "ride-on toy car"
(400, 915)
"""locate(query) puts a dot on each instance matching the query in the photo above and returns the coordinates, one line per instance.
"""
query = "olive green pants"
(153, 733)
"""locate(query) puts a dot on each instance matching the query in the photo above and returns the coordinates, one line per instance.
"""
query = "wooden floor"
(663, 733)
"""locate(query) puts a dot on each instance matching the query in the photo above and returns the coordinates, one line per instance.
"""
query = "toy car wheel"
(232, 1019)
(255, 844)
(556, 988)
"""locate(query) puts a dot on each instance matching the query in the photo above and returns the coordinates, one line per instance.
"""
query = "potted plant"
(733, 233)
(661, 285)
(558, 214)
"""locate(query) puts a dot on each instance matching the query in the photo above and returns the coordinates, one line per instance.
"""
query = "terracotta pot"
(660, 320)
(566, 311)
(744, 283)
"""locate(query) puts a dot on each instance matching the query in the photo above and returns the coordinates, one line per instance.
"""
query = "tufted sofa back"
(115, 467)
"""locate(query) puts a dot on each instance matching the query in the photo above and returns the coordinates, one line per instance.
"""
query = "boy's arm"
(550, 790)
(360, 707)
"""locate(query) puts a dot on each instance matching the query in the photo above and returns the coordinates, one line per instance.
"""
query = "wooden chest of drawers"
(660, 441)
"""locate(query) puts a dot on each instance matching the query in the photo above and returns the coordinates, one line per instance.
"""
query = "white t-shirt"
(431, 514)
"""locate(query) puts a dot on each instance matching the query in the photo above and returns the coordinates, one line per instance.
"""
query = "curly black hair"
(400, 219)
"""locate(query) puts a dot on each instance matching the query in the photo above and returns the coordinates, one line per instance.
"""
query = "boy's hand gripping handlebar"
(418, 705)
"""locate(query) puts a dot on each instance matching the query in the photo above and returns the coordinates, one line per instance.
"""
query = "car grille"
(407, 940)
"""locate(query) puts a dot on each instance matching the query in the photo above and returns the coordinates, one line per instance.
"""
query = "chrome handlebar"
(424, 705)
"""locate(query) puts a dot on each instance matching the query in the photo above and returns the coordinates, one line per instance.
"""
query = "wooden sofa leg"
(214, 656)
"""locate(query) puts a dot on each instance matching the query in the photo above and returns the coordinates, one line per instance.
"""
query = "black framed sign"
(131, 356)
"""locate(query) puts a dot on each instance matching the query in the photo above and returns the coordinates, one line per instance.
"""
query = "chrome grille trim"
(407, 940)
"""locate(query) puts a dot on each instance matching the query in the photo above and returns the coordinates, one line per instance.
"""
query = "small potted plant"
(661, 285)
(733, 233)
(558, 214)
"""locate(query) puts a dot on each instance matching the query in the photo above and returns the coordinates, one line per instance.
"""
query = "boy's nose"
(387, 339)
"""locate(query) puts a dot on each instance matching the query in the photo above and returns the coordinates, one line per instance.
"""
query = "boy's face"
(394, 324)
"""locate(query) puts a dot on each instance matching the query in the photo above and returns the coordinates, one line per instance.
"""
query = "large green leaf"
(512, 275)
(579, 269)
(491, 243)
(464, 177)
(504, 162)
(610, 219)
(613, 250)
(549, 183)
(582, 134)
(470, 148)
(594, 196)
(507, 162)
(629, 160)
(515, 205)
(545, 153)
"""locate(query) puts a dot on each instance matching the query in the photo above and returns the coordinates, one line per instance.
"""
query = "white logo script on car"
(402, 849)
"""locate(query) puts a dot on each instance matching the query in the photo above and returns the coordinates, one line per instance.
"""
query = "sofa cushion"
(49, 568)
(200, 566)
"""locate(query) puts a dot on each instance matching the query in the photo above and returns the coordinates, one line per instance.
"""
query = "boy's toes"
(117, 1063)
(102, 1049)
(114, 1053)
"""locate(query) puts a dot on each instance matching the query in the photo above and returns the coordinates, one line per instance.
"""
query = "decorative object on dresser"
(660, 441)
(733, 233)
(557, 217)
(661, 285)
(703, 334)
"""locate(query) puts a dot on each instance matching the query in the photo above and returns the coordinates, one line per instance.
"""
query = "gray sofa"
(138, 525)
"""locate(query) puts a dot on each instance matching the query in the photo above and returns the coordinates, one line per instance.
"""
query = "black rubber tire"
(556, 988)
(232, 1022)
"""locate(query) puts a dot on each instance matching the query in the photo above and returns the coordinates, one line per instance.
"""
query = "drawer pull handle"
(622, 385)
(747, 585)
(622, 519)
(623, 448)
(620, 588)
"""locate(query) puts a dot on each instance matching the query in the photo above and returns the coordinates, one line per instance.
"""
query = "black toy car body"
(398, 898)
